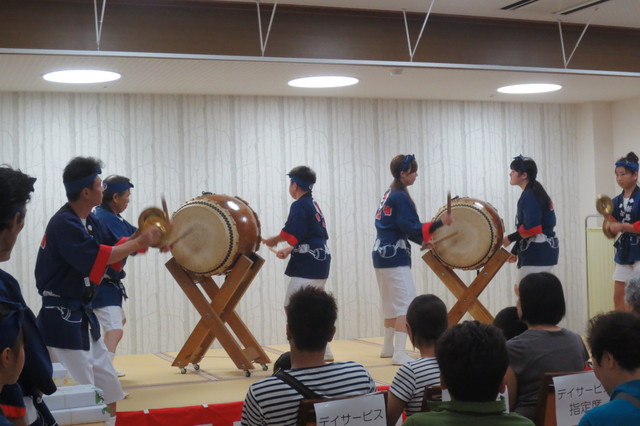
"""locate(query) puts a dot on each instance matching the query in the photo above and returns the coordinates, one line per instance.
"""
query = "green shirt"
(454, 413)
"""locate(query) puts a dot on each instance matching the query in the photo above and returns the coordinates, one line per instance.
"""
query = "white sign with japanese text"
(575, 394)
(365, 410)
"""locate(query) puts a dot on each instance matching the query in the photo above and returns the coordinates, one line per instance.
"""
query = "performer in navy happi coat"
(397, 223)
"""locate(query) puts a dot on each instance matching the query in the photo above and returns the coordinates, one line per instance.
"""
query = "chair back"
(545, 414)
(431, 393)
(307, 411)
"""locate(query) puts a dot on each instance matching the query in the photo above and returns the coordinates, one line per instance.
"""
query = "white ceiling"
(165, 74)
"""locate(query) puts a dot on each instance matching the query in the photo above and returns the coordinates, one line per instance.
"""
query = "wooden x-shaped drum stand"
(217, 313)
(467, 296)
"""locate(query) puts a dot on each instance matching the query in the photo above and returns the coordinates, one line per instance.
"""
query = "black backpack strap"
(627, 397)
(297, 385)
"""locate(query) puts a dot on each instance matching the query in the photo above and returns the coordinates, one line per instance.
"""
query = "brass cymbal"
(153, 216)
(605, 228)
(604, 205)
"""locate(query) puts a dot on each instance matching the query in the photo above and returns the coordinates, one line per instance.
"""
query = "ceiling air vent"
(580, 7)
(519, 4)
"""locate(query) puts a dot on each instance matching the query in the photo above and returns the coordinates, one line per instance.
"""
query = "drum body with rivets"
(217, 229)
(478, 234)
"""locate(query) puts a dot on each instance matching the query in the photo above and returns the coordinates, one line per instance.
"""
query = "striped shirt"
(270, 401)
(411, 379)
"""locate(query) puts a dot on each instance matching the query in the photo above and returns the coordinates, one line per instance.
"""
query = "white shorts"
(396, 290)
(523, 271)
(296, 283)
(92, 367)
(110, 317)
(625, 272)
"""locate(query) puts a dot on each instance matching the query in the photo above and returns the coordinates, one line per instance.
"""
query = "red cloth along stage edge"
(214, 414)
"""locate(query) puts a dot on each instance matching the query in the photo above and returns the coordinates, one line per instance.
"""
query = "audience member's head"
(427, 319)
(11, 342)
(541, 299)
(509, 322)
(473, 360)
(632, 294)
(15, 193)
(311, 318)
(614, 339)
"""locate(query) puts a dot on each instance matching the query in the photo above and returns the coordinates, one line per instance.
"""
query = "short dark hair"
(427, 317)
(78, 168)
(541, 299)
(15, 191)
(304, 173)
(617, 333)
(311, 315)
(508, 321)
(107, 195)
(473, 360)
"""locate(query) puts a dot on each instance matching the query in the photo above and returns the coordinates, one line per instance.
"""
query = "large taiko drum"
(217, 229)
(478, 234)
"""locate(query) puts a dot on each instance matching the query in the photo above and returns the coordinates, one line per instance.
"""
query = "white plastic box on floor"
(74, 397)
(77, 404)
(74, 416)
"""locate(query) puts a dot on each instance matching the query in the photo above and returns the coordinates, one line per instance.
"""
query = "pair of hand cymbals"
(604, 206)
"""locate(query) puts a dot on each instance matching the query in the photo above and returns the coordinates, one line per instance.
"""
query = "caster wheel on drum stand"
(265, 367)
(183, 370)
(247, 373)
(196, 367)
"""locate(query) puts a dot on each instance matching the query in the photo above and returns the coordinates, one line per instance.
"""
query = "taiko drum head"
(478, 234)
(217, 228)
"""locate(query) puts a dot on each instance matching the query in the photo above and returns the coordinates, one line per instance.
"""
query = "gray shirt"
(535, 352)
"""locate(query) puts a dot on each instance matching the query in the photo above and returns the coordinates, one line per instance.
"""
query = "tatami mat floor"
(153, 383)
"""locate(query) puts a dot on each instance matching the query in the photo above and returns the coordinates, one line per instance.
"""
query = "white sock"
(400, 341)
(111, 421)
(112, 355)
(388, 337)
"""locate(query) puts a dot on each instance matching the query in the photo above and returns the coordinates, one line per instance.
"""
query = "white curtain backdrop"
(180, 146)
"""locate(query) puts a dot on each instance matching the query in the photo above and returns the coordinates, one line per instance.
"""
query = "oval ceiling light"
(323, 82)
(530, 88)
(81, 76)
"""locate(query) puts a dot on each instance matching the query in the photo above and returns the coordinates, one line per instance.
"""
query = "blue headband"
(303, 184)
(16, 207)
(628, 164)
(406, 163)
(117, 187)
(76, 186)
(11, 324)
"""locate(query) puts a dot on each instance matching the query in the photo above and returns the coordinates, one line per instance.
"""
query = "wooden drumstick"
(164, 206)
(448, 202)
(270, 248)
(181, 235)
(446, 237)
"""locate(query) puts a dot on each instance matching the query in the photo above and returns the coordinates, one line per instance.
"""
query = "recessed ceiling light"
(324, 81)
(530, 88)
(81, 76)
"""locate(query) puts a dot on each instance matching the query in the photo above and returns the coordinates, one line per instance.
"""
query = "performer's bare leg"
(618, 297)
